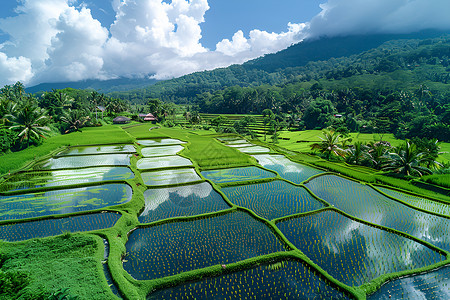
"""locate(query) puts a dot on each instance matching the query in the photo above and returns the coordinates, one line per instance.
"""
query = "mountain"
(308, 60)
(103, 86)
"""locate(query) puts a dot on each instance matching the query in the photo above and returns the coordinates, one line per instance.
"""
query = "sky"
(71, 40)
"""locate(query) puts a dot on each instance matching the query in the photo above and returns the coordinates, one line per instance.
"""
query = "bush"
(8, 139)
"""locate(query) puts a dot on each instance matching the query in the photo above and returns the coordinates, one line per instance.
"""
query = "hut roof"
(150, 117)
(121, 119)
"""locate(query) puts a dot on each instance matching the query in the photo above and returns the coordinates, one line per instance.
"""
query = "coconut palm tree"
(406, 160)
(330, 144)
(377, 153)
(357, 154)
(75, 119)
(30, 121)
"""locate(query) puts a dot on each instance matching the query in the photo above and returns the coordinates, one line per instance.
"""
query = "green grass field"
(301, 140)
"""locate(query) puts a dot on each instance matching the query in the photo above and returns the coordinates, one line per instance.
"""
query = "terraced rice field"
(237, 174)
(48, 227)
(176, 247)
(277, 229)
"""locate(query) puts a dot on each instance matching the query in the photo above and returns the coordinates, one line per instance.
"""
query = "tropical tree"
(357, 154)
(268, 115)
(406, 160)
(330, 144)
(30, 122)
(377, 153)
(75, 119)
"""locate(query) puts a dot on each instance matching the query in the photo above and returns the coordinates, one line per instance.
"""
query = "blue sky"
(71, 40)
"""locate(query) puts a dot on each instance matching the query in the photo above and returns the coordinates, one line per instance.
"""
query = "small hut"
(121, 120)
(150, 118)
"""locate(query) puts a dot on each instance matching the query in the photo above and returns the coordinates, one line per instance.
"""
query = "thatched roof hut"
(121, 120)
(150, 117)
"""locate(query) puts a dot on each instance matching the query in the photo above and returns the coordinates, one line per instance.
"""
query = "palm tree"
(75, 119)
(357, 154)
(377, 153)
(330, 144)
(30, 121)
(406, 160)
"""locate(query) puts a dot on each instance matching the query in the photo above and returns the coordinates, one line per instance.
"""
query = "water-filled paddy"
(160, 142)
(29, 180)
(161, 151)
(63, 201)
(254, 149)
(280, 280)
(187, 200)
(432, 285)
(273, 200)
(237, 174)
(177, 247)
(49, 227)
(71, 162)
(236, 142)
(292, 171)
(240, 145)
(365, 203)
(98, 150)
(422, 203)
(168, 177)
(352, 252)
(163, 162)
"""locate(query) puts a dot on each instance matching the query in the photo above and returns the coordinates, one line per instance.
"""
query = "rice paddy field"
(177, 214)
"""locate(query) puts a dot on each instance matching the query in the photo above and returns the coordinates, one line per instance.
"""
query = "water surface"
(237, 174)
(352, 252)
(187, 200)
(177, 247)
(63, 201)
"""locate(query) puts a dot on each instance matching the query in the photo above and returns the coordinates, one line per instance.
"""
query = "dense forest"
(401, 86)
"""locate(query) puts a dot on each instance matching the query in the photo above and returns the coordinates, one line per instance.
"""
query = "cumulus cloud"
(342, 17)
(59, 40)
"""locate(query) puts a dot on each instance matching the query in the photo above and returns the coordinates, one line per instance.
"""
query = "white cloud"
(56, 40)
(339, 17)
(14, 69)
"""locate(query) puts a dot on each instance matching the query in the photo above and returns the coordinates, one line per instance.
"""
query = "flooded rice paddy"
(354, 253)
(237, 174)
(63, 201)
(170, 177)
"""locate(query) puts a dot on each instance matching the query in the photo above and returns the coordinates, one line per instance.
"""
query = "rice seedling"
(237, 174)
(161, 151)
(272, 200)
(34, 179)
(163, 162)
(365, 203)
(229, 138)
(289, 170)
(63, 201)
(254, 149)
(290, 280)
(176, 247)
(352, 252)
(49, 227)
(169, 177)
(69, 162)
(188, 200)
(422, 203)
(107, 149)
(160, 142)
(432, 285)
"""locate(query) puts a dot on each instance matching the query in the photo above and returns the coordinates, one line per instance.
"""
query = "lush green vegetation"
(195, 217)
